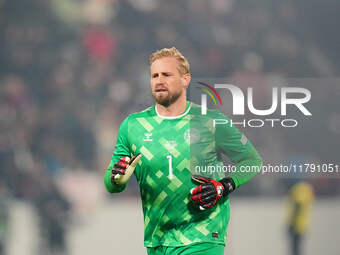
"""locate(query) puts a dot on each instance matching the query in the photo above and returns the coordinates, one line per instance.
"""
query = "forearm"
(122, 148)
(246, 169)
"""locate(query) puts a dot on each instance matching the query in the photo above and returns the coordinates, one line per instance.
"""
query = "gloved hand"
(207, 194)
(125, 166)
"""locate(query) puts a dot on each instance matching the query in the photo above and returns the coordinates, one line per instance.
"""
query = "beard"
(166, 99)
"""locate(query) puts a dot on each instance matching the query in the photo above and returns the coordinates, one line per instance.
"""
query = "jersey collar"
(175, 117)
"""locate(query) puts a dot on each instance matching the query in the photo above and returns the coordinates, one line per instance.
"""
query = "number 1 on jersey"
(171, 175)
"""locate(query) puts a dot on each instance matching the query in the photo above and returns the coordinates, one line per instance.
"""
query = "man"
(183, 213)
(301, 198)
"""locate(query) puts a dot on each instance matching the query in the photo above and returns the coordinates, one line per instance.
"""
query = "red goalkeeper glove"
(210, 191)
(119, 169)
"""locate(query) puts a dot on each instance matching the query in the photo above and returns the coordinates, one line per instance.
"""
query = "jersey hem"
(146, 245)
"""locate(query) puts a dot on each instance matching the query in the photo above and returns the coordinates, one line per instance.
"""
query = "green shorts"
(192, 249)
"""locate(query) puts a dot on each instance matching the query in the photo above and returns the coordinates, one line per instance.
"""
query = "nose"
(159, 80)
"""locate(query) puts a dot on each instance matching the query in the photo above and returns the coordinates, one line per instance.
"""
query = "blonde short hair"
(183, 64)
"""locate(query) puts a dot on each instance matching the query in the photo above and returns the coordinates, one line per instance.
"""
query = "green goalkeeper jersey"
(172, 148)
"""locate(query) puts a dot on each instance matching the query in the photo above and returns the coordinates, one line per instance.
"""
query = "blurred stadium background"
(71, 70)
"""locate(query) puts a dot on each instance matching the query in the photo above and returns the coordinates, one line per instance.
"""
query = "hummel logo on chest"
(148, 137)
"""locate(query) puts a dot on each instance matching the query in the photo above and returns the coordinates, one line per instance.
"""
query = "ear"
(186, 78)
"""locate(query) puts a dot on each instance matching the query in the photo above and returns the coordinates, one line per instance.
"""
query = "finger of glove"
(133, 158)
(200, 178)
(122, 164)
(202, 188)
(196, 198)
(118, 171)
(196, 190)
(207, 187)
(207, 205)
(114, 176)
(204, 204)
(125, 159)
(202, 208)
(209, 199)
(208, 194)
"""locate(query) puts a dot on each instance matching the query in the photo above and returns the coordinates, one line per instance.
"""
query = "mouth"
(161, 90)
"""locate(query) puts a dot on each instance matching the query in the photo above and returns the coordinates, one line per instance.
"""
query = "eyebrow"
(164, 73)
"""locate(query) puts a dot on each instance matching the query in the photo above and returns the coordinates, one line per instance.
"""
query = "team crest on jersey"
(147, 137)
(192, 135)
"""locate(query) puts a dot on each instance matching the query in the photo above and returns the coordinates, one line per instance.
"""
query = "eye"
(154, 75)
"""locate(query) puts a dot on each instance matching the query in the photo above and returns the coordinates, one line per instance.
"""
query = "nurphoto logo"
(288, 96)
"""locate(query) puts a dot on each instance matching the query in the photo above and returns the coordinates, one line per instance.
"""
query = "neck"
(175, 109)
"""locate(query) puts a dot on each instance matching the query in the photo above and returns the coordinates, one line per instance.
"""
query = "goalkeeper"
(184, 212)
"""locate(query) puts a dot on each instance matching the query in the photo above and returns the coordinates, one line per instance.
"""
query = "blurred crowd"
(71, 70)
